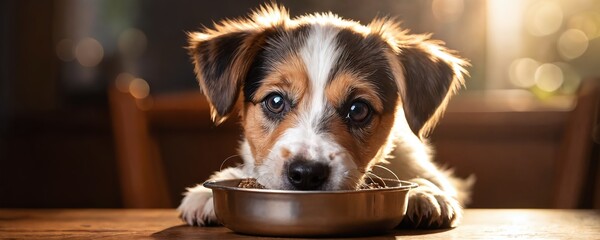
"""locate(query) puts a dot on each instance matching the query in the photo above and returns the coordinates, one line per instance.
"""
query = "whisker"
(352, 183)
(378, 177)
(349, 179)
(387, 169)
(356, 177)
(367, 175)
(227, 159)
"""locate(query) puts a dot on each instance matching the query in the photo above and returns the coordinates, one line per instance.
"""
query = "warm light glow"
(269, 15)
(522, 72)
(123, 81)
(548, 77)
(571, 78)
(447, 10)
(132, 42)
(139, 88)
(544, 18)
(520, 217)
(64, 50)
(89, 52)
(504, 40)
(589, 23)
(572, 44)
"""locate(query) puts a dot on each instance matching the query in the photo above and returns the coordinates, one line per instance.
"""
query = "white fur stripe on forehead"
(319, 54)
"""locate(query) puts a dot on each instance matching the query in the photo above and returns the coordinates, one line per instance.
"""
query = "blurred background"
(99, 106)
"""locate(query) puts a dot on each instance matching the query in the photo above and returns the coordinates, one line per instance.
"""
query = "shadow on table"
(189, 232)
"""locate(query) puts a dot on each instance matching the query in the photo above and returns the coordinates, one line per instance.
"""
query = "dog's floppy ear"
(223, 56)
(221, 64)
(431, 75)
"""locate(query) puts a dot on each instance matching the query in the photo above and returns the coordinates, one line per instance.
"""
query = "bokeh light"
(522, 72)
(588, 23)
(64, 50)
(89, 52)
(572, 44)
(123, 81)
(571, 78)
(544, 18)
(548, 77)
(139, 88)
(447, 10)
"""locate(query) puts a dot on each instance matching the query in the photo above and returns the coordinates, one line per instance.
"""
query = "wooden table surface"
(164, 224)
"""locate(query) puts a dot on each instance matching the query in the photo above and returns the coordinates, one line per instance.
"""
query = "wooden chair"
(525, 153)
(143, 175)
(578, 169)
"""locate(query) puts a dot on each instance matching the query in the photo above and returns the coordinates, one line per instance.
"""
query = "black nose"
(307, 175)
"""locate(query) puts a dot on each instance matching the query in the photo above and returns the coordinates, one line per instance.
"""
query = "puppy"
(322, 100)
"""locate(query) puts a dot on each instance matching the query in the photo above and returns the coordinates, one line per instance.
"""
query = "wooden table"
(164, 224)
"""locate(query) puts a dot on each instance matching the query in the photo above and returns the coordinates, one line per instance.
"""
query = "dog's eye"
(359, 112)
(275, 103)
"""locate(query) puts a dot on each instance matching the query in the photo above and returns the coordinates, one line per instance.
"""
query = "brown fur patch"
(346, 87)
(340, 134)
(285, 153)
(380, 130)
(364, 150)
(346, 83)
(289, 79)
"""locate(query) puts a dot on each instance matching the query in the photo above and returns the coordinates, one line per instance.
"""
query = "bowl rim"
(215, 184)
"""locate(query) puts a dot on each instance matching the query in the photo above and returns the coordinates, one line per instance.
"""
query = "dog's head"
(318, 95)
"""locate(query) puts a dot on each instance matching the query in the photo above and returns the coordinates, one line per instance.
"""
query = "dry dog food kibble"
(372, 185)
(250, 183)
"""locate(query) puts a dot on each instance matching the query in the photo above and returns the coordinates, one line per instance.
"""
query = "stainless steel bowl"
(309, 213)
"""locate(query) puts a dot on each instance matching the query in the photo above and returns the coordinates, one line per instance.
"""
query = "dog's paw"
(197, 207)
(431, 209)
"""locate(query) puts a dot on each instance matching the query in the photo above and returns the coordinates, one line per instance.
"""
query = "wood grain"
(164, 224)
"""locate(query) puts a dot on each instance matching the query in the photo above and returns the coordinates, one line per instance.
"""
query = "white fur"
(319, 55)
(197, 207)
